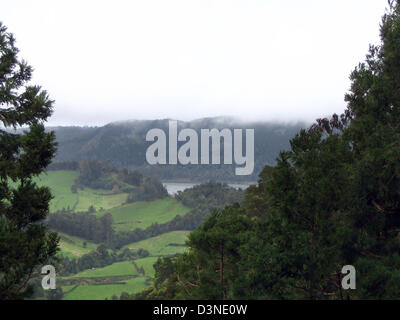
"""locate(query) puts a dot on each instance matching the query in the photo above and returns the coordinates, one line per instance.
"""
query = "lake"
(174, 187)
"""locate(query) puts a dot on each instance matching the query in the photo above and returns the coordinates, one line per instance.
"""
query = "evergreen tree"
(296, 253)
(374, 134)
(25, 243)
(333, 199)
(214, 254)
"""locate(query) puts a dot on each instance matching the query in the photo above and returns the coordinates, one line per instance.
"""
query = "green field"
(102, 283)
(60, 183)
(102, 291)
(124, 268)
(147, 264)
(144, 214)
(160, 245)
(73, 247)
(99, 199)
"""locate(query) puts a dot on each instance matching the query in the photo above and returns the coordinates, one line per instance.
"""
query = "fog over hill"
(124, 145)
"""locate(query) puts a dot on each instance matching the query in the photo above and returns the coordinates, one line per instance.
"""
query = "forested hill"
(123, 144)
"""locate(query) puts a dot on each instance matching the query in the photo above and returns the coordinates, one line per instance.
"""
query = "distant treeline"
(98, 258)
(102, 175)
(84, 225)
(209, 195)
(124, 145)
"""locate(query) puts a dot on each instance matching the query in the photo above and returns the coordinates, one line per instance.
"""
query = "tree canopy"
(332, 200)
(25, 243)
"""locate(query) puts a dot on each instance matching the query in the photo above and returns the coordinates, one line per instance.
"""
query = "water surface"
(174, 187)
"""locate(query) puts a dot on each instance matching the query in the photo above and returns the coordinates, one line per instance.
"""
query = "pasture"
(103, 291)
(164, 244)
(147, 265)
(124, 268)
(73, 247)
(143, 214)
(60, 183)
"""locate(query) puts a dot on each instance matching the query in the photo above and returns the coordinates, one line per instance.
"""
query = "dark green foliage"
(215, 255)
(150, 189)
(211, 194)
(85, 225)
(74, 188)
(99, 258)
(56, 294)
(301, 241)
(164, 284)
(255, 201)
(25, 243)
(101, 175)
(332, 200)
(133, 178)
(212, 265)
(94, 174)
(374, 105)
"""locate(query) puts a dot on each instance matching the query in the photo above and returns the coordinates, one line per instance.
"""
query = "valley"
(92, 269)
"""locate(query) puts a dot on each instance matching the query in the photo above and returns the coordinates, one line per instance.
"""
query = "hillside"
(143, 214)
(109, 237)
(123, 144)
(60, 183)
(164, 244)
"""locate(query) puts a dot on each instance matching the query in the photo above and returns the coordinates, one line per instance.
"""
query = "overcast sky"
(104, 61)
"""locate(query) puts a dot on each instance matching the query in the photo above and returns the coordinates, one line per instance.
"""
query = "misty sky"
(104, 61)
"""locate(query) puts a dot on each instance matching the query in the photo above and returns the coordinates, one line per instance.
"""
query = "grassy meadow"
(102, 283)
(99, 199)
(161, 245)
(143, 214)
(147, 265)
(124, 268)
(73, 247)
(60, 183)
(103, 291)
